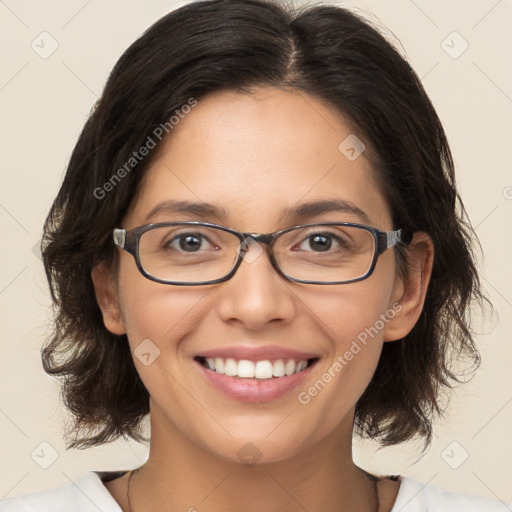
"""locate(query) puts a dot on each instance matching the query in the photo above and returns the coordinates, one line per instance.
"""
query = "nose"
(257, 294)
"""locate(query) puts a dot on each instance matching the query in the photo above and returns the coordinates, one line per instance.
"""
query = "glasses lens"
(194, 254)
(330, 253)
(188, 254)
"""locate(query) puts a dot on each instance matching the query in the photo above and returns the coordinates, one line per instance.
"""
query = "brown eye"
(187, 242)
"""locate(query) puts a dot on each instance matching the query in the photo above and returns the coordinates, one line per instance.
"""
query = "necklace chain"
(375, 490)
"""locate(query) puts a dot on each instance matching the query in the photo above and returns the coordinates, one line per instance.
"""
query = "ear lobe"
(411, 292)
(107, 298)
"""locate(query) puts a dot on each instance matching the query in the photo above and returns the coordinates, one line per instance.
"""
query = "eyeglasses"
(198, 253)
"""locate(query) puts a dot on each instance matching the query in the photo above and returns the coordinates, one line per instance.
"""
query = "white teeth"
(289, 369)
(219, 365)
(231, 367)
(263, 370)
(260, 370)
(245, 369)
(278, 369)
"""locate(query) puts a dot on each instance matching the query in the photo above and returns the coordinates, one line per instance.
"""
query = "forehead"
(255, 155)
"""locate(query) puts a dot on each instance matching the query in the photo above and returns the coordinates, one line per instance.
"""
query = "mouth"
(265, 369)
(255, 381)
(255, 373)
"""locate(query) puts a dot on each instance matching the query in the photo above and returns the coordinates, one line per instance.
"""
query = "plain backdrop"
(460, 49)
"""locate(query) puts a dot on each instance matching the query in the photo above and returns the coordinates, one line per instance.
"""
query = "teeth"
(219, 365)
(278, 369)
(290, 367)
(230, 368)
(263, 370)
(246, 369)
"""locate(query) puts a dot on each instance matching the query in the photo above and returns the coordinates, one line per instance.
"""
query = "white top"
(89, 494)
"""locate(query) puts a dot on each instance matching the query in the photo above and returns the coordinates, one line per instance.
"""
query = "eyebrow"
(303, 210)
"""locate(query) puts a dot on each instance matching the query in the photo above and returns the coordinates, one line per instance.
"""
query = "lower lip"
(255, 390)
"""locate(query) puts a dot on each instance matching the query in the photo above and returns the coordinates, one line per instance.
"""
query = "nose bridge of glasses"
(257, 237)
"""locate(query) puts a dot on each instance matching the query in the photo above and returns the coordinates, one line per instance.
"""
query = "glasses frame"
(128, 240)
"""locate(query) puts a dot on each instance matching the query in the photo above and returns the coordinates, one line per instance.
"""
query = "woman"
(258, 242)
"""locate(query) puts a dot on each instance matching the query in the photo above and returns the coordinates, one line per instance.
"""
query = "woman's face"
(255, 156)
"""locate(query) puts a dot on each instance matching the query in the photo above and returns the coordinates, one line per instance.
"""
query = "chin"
(258, 449)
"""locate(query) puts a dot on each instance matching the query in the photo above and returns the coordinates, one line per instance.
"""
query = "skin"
(255, 155)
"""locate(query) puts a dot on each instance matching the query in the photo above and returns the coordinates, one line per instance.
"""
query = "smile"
(255, 381)
(263, 369)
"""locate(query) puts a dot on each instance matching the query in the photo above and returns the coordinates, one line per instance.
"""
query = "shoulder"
(87, 493)
(415, 496)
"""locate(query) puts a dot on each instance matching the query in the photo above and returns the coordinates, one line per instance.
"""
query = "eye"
(187, 242)
(322, 242)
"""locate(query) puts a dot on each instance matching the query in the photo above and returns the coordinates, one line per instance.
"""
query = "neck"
(320, 477)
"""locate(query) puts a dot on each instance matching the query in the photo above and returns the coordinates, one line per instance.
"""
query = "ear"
(411, 289)
(107, 297)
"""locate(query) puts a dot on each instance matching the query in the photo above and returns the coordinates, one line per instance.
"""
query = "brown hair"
(206, 46)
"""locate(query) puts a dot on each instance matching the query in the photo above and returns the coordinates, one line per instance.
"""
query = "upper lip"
(269, 352)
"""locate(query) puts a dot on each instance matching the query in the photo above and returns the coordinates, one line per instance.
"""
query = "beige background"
(44, 103)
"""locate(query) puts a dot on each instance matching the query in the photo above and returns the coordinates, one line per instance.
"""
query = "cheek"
(156, 312)
(350, 311)
(365, 308)
(157, 319)
(358, 344)
(353, 319)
